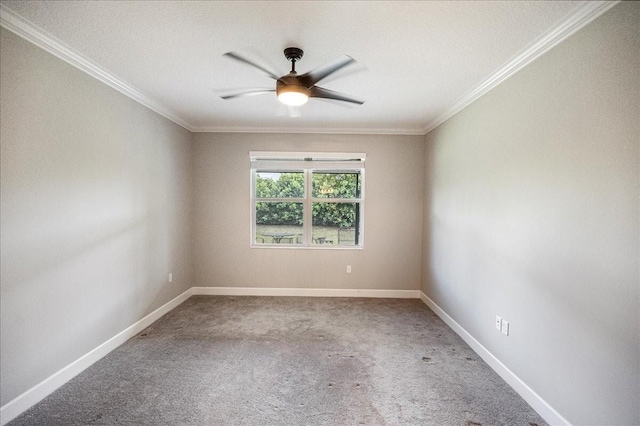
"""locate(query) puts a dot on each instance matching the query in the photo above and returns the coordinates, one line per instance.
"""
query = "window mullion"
(280, 200)
(336, 200)
(307, 216)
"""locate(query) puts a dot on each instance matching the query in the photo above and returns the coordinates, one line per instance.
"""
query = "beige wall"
(531, 213)
(528, 199)
(95, 212)
(394, 195)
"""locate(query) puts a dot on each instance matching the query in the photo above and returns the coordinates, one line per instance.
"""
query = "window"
(307, 199)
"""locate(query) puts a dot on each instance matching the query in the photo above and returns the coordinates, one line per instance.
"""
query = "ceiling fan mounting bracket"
(293, 53)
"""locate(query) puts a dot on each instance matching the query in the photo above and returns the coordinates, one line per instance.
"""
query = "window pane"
(336, 184)
(335, 223)
(279, 184)
(278, 223)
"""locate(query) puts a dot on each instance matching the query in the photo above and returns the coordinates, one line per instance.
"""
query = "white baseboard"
(32, 396)
(26, 400)
(545, 410)
(305, 292)
(23, 402)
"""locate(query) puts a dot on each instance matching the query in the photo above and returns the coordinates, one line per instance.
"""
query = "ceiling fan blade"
(245, 92)
(317, 74)
(353, 69)
(319, 92)
(238, 57)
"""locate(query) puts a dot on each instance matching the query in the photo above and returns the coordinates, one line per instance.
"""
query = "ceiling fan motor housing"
(291, 83)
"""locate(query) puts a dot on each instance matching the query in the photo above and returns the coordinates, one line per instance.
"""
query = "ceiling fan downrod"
(293, 54)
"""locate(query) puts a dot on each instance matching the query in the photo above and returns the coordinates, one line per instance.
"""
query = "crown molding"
(565, 28)
(306, 130)
(572, 23)
(13, 22)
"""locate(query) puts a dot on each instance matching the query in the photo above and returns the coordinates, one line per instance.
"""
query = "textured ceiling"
(420, 57)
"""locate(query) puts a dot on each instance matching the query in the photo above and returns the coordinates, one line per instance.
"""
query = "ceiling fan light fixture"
(293, 95)
(293, 98)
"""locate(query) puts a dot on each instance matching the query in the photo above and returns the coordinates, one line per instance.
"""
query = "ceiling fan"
(293, 89)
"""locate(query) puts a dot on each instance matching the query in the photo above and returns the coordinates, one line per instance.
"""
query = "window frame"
(306, 163)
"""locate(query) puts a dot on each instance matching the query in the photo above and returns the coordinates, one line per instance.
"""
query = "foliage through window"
(307, 199)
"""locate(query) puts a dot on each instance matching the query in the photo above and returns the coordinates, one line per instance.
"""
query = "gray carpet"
(289, 361)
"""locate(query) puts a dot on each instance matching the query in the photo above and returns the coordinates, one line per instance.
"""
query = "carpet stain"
(97, 418)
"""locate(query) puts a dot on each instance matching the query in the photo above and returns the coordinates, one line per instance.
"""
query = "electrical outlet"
(505, 327)
(348, 269)
(171, 277)
(498, 323)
